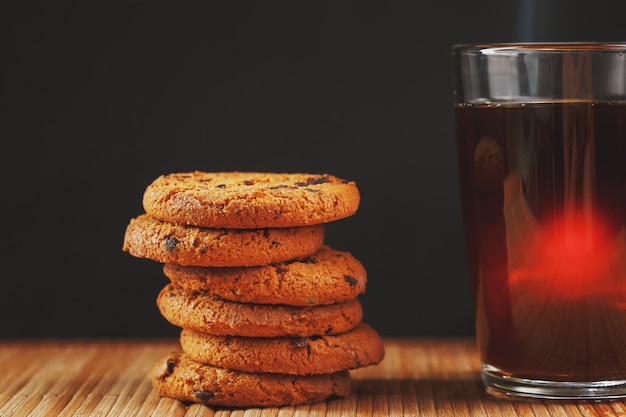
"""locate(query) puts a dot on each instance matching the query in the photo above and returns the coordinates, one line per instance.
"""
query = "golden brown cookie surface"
(147, 237)
(176, 376)
(325, 277)
(245, 200)
(205, 313)
(356, 348)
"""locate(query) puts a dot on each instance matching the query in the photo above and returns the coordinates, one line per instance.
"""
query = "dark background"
(98, 98)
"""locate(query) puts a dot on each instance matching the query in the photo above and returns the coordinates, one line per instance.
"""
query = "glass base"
(500, 384)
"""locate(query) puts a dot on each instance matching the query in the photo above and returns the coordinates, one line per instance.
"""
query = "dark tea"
(544, 203)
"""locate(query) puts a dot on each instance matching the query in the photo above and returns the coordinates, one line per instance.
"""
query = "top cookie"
(248, 200)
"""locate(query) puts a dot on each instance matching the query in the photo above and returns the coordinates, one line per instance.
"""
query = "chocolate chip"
(168, 370)
(204, 396)
(308, 260)
(313, 181)
(279, 186)
(171, 243)
(350, 280)
(248, 182)
(171, 364)
(301, 342)
(318, 180)
(220, 186)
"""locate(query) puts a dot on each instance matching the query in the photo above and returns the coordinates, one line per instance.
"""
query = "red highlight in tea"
(573, 259)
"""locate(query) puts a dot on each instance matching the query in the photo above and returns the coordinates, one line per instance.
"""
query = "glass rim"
(507, 48)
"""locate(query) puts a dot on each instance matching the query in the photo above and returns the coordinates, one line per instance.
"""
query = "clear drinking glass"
(541, 142)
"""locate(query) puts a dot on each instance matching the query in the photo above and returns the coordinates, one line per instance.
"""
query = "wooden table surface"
(422, 377)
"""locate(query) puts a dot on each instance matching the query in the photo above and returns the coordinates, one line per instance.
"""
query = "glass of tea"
(541, 147)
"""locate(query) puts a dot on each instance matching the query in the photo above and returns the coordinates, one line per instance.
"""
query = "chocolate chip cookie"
(176, 376)
(244, 200)
(325, 277)
(205, 313)
(356, 348)
(148, 237)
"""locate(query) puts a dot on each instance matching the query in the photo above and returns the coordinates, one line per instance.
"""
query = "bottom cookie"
(176, 376)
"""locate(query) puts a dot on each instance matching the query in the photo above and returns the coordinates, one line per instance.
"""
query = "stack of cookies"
(268, 312)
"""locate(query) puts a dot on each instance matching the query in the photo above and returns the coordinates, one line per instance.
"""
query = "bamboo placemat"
(110, 378)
